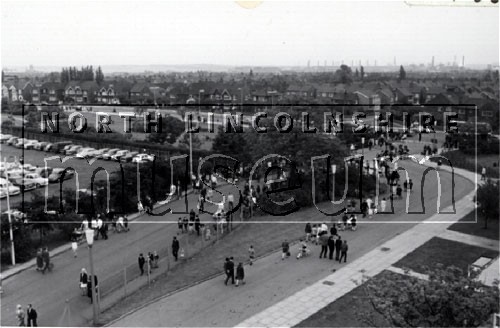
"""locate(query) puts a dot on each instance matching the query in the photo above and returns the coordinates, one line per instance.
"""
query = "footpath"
(308, 301)
(276, 296)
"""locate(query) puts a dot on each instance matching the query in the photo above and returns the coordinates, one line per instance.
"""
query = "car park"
(44, 172)
(37, 179)
(119, 154)
(85, 153)
(30, 144)
(73, 150)
(48, 146)
(41, 145)
(23, 183)
(12, 141)
(16, 215)
(4, 137)
(7, 187)
(142, 158)
(99, 152)
(59, 173)
(60, 147)
(129, 156)
(107, 155)
(20, 143)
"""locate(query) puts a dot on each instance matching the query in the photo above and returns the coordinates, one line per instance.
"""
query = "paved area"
(282, 293)
(470, 239)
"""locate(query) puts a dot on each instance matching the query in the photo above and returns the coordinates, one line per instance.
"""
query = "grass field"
(469, 225)
(446, 252)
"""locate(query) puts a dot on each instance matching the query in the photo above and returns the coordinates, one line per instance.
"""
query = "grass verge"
(469, 226)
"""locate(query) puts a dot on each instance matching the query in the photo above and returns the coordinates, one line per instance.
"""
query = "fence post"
(125, 280)
(149, 271)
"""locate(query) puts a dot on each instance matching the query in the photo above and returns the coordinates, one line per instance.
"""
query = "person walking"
(285, 247)
(74, 241)
(92, 286)
(185, 223)
(229, 269)
(338, 245)
(197, 225)
(240, 274)
(32, 316)
(331, 247)
(39, 260)
(175, 248)
(180, 225)
(308, 231)
(410, 184)
(251, 254)
(20, 315)
(323, 241)
(483, 174)
(83, 280)
(333, 230)
(343, 251)
(46, 259)
(383, 205)
(141, 260)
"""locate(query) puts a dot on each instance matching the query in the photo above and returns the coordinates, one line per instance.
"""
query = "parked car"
(30, 144)
(4, 138)
(109, 153)
(44, 172)
(73, 150)
(37, 179)
(24, 184)
(16, 214)
(85, 152)
(12, 141)
(99, 152)
(28, 167)
(119, 154)
(41, 145)
(129, 156)
(7, 187)
(60, 147)
(141, 158)
(48, 147)
(57, 174)
(20, 142)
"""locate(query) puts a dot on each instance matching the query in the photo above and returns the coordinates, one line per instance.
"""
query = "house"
(367, 98)
(51, 92)
(304, 92)
(325, 91)
(10, 92)
(78, 92)
(386, 96)
(106, 94)
(403, 96)
(30, 93)
(140, 93)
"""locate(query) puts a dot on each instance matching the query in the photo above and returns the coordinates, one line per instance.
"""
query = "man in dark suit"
(141, 261)
(175, 248)
(32, 315)
(229, 269)
(338, 245)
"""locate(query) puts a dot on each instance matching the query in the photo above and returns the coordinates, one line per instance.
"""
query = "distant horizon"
(275, 33)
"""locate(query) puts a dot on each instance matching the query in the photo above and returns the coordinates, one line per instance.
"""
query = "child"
(240, 274)
(314, 233)
(251, 254)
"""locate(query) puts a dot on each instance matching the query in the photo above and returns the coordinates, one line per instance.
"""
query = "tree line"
(83, 74)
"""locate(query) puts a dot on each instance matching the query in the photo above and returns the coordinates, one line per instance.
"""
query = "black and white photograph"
(266, 163)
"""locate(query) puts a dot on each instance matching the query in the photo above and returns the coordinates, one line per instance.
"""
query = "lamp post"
(11, 233)
(334, 170)
(199, 100)
(89, 235)
(363, 146)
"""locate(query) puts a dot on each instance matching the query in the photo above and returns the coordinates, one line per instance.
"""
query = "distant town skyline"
(57, 33)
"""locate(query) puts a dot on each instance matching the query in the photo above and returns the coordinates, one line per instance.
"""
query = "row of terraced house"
(440, 96)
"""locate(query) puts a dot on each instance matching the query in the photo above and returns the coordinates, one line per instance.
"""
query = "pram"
(303, 252)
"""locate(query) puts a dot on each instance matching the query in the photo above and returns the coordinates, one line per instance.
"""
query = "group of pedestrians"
(229, 269)
(152, 259)
(86, 284)
(31, 316)
(43, 260)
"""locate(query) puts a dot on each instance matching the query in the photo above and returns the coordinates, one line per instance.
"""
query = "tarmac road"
(271, 280)
(208, 304)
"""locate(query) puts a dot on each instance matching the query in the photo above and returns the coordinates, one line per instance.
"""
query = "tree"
(362, 72)
(344, 74)
(402, 73)
(487, 195)
(99, 76)
(449, 298)
(184, 140)
(171, 129)
(356, 74)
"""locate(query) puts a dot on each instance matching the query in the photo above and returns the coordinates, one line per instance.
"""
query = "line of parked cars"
(68, 148)
(16, 177)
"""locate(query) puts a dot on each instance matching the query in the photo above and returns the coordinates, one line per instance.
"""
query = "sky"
(275, 33)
